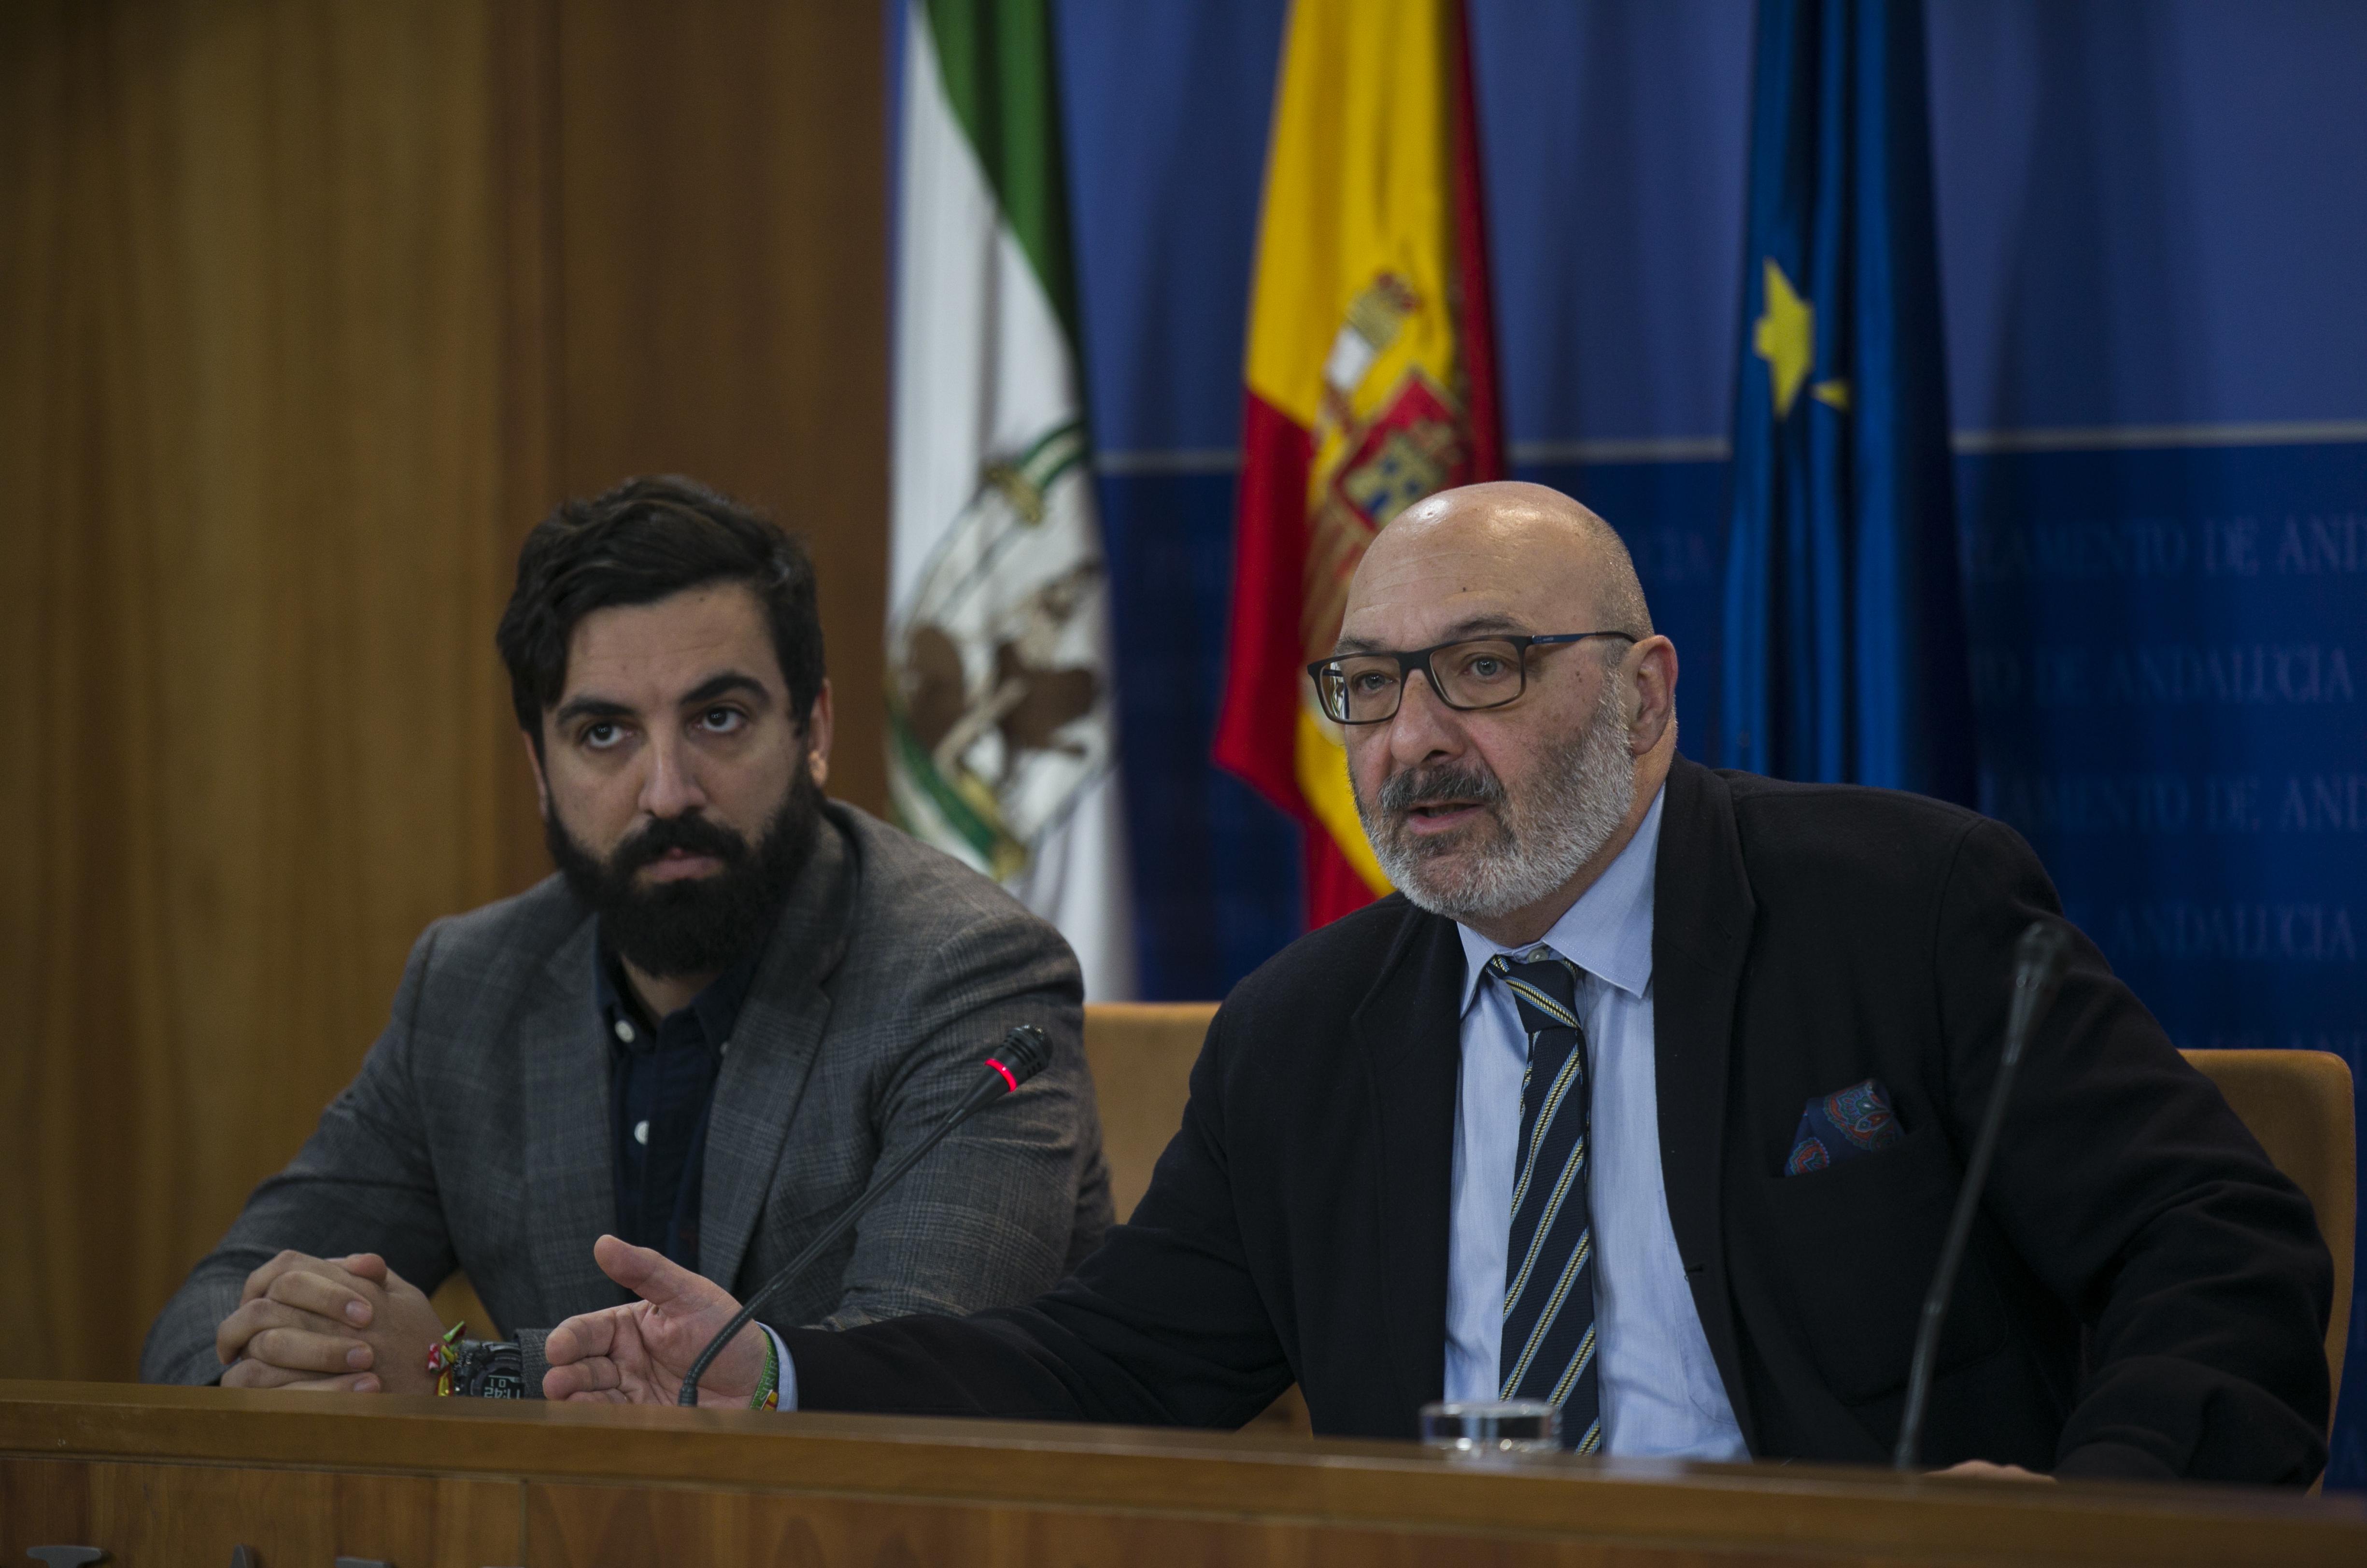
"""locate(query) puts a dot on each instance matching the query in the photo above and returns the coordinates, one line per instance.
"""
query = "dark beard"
(700, 925)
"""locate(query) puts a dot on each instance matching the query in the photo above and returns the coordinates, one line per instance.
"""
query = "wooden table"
(157, 1476)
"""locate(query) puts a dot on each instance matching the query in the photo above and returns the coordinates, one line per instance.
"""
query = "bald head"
(1502, 550)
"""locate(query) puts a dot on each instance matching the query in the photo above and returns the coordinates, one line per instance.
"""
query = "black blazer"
(2144, 1294)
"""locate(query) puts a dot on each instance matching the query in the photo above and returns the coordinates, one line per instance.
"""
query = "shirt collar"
(1608, 932)
(716, 1008)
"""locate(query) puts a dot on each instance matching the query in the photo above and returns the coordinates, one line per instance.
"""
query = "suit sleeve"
(1163, 1325)
(363, 1182)
(2129, 1187)
(987, 1217)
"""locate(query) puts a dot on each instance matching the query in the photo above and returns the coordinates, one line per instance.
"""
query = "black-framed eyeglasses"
(1468, 673)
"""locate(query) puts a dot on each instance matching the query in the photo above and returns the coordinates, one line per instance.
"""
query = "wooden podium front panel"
(162, 1514)
(606, 1526)
(175, 1475)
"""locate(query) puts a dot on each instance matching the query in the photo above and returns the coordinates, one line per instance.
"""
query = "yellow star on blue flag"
(1785, 336)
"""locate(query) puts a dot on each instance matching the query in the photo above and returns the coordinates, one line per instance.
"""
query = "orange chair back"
(2298, 1104)
(1140, 1054)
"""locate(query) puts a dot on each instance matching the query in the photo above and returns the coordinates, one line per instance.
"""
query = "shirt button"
(640, 1132)
(623, 1032)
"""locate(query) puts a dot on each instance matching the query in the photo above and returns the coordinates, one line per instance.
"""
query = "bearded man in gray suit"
(736, 1002)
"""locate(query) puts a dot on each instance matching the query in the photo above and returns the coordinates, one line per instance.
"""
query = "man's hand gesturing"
(637, 1354)
(343, 1324)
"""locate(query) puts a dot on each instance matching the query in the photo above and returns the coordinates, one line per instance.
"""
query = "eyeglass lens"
(1367, 688)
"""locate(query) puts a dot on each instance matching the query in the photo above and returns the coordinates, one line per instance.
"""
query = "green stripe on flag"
(996, 58)
(1003, 854)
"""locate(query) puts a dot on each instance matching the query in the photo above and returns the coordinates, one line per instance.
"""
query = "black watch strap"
(529, 1342)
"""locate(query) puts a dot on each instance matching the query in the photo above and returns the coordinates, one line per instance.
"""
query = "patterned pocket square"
(1843, 1125)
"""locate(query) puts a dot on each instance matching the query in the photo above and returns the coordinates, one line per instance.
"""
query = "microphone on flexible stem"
(2037, 969)
(1023, 1053)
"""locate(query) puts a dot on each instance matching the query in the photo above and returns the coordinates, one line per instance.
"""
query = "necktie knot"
(1544, 985)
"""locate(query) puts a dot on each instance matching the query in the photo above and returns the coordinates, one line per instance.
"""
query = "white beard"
(1582, 798)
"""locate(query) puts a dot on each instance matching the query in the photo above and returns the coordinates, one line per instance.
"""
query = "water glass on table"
(1479, 1429)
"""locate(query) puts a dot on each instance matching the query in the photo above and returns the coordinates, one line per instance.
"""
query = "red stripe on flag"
(1475, 323)
(1257, 730)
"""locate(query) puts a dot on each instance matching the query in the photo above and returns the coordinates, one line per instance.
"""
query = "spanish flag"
(1370, 379)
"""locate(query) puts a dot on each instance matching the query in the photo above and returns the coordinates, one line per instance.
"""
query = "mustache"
(1438, 787)
(692, 835)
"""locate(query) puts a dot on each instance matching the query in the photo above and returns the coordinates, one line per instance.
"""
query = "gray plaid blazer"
(477, 1136)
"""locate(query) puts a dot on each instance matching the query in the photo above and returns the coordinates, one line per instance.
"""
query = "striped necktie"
(1549, 1343)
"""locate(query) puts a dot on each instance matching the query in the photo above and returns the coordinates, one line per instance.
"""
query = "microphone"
(2038, 963)
(1024, 1052)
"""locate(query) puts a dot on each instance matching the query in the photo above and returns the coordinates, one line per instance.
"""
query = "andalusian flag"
(1371, 379)
(1001, 732)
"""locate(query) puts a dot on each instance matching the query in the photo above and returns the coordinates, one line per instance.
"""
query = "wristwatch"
(489, 1368)
(477, 1369)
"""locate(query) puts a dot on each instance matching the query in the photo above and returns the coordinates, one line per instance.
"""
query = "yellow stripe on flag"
(1358, 185)
(1323, 780)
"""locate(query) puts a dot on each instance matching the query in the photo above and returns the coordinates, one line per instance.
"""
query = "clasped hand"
(348, 1325)
(639, 1354)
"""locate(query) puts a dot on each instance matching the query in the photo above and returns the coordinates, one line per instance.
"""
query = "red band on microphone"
(1005, 1072)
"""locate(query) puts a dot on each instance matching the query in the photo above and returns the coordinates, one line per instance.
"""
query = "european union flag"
(1845, 656)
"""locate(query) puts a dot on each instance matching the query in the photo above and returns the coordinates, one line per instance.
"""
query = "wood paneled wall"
(308, 309)
(721, 238)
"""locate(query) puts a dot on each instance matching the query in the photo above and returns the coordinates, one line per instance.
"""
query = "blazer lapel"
(1408, 1030)
(1703, 913)
(571, 1174)
(774, 1045)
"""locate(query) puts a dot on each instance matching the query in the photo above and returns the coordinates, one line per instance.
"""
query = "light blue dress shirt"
(1662, 1393)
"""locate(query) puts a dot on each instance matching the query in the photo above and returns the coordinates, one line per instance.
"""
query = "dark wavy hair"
(646, 540)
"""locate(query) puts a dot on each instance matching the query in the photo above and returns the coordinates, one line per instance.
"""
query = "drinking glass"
(1480, 1428)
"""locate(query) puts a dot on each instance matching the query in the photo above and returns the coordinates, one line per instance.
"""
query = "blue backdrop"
(2151, 223)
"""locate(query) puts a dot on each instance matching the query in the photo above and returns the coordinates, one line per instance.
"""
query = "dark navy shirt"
(661, 1082)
